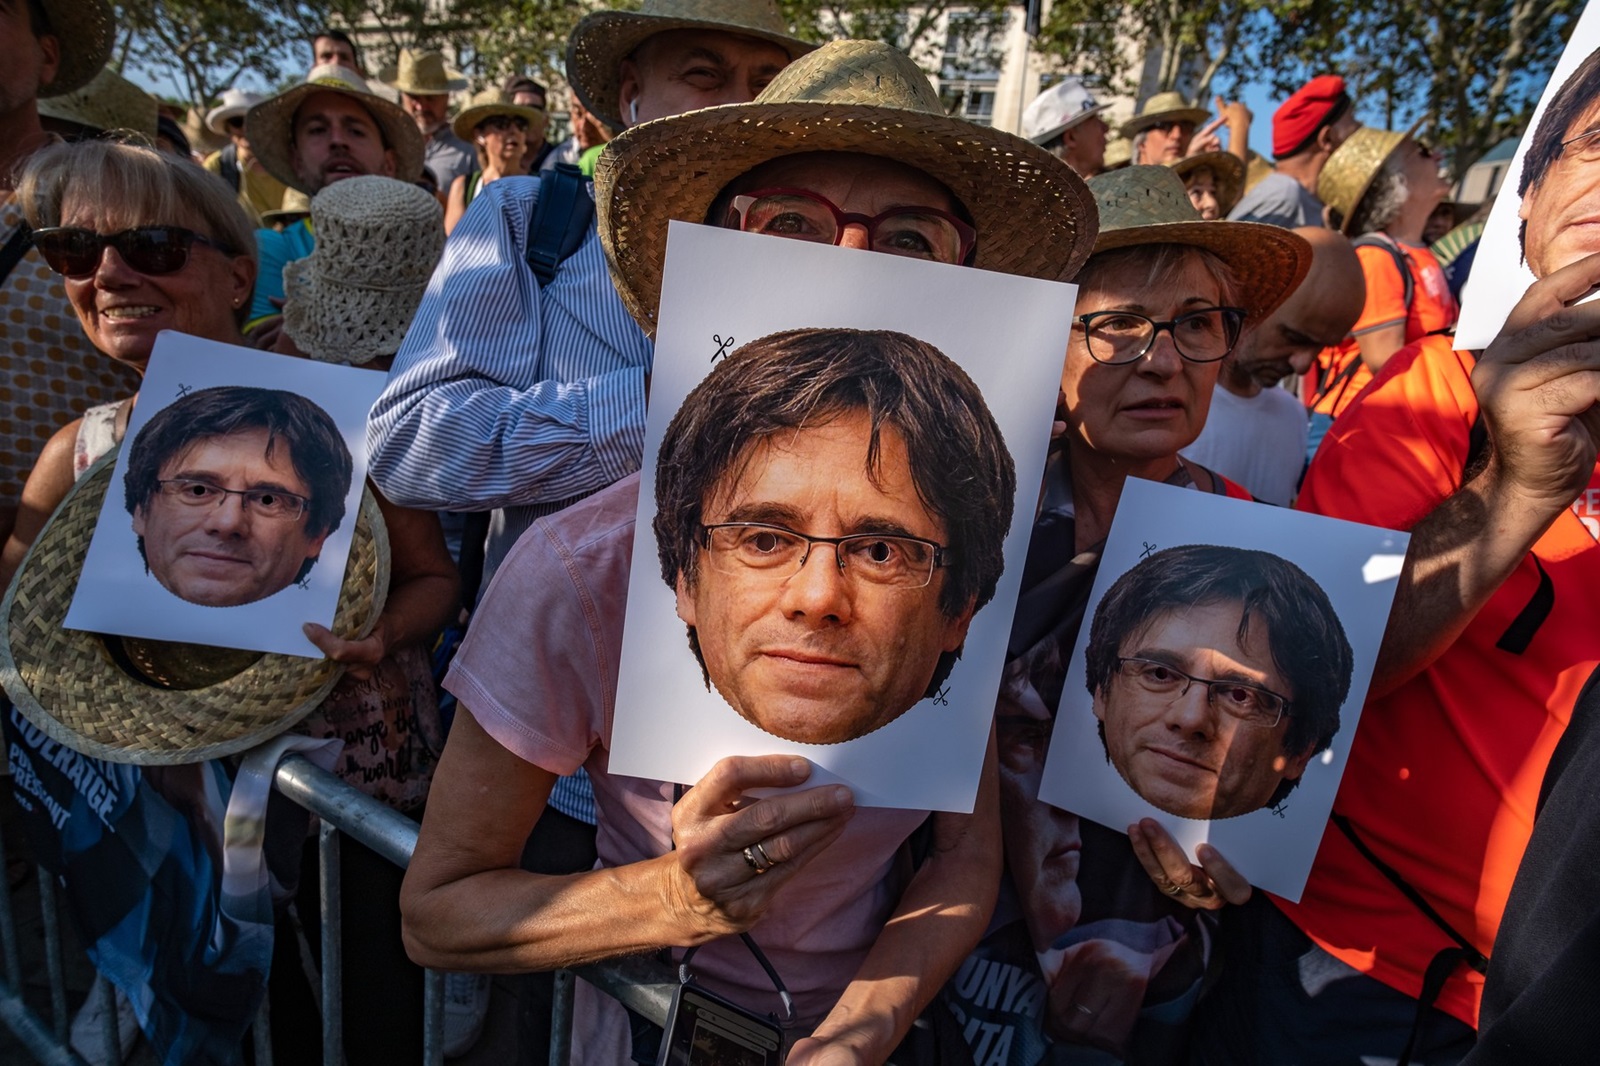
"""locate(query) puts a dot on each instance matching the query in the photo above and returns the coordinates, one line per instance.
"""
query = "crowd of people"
(1277, 332)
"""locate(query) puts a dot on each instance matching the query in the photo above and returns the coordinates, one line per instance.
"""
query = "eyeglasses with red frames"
(916, 232)
(152, 250)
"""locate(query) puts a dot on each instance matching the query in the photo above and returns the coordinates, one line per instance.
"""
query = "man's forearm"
(1460, 555)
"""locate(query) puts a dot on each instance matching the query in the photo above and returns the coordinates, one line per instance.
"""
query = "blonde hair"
(132, 185)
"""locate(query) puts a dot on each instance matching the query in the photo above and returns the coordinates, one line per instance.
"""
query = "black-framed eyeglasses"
(917, 232)
(273, 504)
(777, 552)
(1588, 146)
(153, 250)
(1238, 699)
(1201, 336)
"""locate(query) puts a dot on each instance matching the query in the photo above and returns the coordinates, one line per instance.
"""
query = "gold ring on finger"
(754, 864)
(768, 859)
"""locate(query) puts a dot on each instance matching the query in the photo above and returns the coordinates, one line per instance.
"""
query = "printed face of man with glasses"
(233, 495)
(831, 507)
(1560, 182)
(1217, 674)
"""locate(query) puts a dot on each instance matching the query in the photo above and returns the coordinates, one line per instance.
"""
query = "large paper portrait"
(1219, 675)
(842, 456)
(230, 512)
(1547, 214)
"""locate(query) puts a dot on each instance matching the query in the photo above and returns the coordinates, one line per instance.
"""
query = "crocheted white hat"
(352, 299)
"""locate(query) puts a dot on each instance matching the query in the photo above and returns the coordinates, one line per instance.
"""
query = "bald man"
(1256, 433)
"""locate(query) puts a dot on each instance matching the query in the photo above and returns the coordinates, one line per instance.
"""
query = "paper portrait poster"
(231, 508)
(1546, 215)
(1219, 674)
(850, 595)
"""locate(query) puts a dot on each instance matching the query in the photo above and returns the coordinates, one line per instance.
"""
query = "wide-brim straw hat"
(1148, 205)
(1352, 168)
(233, 104)
(152, 702)
(109, 102)
(295, 204)
(269, 125)
(1032, 214)
(1227, 171)
(423, 74)
(1119, 153)
(86, 30)
(353, 298)
(603, 39)
(1164, 107)
(492, 102)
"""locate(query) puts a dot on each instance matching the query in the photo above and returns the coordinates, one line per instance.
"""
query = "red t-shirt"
(1444, 772)
(1432, 308)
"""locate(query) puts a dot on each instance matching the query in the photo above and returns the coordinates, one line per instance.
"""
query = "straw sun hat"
(152, 702)
(1227, 171)
(423, 74)
(86, 31)
(269, 125)
(109, 102)
(1351, 169)
(496, 101)
(1164, 107)
(1032, 214)
(351, 299)
(1148, 205)
(601, 42)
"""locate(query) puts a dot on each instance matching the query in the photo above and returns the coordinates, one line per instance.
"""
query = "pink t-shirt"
(538, 671)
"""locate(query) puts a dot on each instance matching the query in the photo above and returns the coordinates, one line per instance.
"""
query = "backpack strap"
(1401, 263)
(15, 248)
(560, 220)
(1443, 964)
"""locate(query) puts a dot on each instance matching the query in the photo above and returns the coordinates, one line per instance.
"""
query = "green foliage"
(206, 46)
(977, 28)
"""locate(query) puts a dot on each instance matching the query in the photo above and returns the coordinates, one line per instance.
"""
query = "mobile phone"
(704, 1029)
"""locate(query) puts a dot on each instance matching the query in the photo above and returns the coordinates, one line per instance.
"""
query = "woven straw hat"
(86, 30)
(1163, 107)
(153, 702)
(1350, 170)
(496, 101)
(1148, 205)
(295, 205)
(270, 124)
(351, 299)
(423, 74)
(1227, 170)
(109, 102)
(601, 42)
(1033, 215)
(232, 104)
(1119, 153)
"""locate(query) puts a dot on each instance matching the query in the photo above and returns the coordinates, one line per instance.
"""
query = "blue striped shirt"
(506, 395)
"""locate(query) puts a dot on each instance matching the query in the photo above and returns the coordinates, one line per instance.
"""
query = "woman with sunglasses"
(1381, 187)
(501, 132)
(148, 243)
(1161, 302)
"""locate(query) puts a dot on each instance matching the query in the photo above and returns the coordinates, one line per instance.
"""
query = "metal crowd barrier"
(641, 984)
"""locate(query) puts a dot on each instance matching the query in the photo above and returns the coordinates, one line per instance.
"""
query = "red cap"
(1300, 115)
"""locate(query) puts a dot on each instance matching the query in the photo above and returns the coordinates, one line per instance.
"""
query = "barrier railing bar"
(50, 915)
(261, 1034)
(31, 1031)
(332, 949)
(561, 1017)
(387, 832)
(8, 926)
(433, 1018)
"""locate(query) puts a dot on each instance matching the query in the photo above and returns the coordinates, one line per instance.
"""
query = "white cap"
(1058, 109)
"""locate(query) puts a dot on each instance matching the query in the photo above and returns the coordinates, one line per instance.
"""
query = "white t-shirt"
(1259, 442)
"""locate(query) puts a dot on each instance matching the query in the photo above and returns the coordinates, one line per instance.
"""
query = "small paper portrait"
(1216, 674)
(840, 463)
(233, 491)
(232, 505)
(1217, 681)
(1546, 213)
(877, 437)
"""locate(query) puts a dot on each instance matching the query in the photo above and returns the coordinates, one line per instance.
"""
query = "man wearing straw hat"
(49, 372)
(1164, 130)
(878, 143)
(425, 83)
(235, 163)
(558, 384)
(327, 128)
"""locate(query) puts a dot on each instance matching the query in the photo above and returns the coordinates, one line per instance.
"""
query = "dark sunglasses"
(152, 250)
(235, 123)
